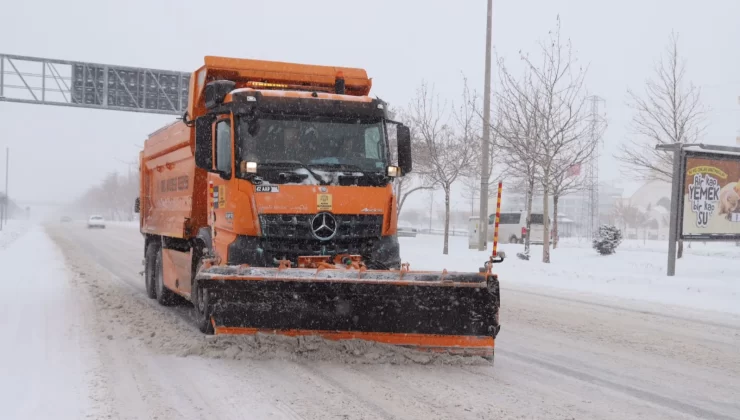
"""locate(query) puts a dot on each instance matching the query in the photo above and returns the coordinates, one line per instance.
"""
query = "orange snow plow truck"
(270, 206)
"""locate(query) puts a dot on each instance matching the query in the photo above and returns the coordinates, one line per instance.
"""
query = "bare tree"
(444, 151)
(405, 186)
(670, 112)
(631, 217)
(471, 190)
(409, 184)
(563, 136)
(567, 179)
(517, 129)
(472, 174)
(622, 212)
(566, 168)
(113, 198)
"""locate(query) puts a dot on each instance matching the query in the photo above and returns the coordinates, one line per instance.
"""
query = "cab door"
(222, 186)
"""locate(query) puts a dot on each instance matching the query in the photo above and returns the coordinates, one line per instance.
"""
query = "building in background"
(571, 207)
(652, 200)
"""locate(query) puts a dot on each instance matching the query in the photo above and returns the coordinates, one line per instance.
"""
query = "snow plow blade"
(436, 311)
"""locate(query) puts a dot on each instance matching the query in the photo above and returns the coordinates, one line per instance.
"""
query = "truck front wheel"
(202, 310)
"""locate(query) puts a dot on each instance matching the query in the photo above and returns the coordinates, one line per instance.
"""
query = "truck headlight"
(394, 171)
(250, 167)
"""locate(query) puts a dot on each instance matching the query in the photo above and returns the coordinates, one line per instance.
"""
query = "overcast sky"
(56, 153)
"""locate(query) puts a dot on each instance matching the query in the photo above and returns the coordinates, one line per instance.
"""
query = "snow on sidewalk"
(11, 231)
(706, 278)
(42, 356)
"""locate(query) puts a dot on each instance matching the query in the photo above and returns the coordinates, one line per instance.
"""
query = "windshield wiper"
(295, 164)
(345, 166)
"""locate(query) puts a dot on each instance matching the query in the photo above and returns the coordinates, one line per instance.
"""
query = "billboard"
(125, 87)
(710, 197)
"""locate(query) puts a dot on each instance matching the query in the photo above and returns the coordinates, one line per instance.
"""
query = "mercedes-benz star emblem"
(324, 226)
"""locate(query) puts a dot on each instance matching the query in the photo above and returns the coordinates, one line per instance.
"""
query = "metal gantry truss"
(88, 85)
(591, 208)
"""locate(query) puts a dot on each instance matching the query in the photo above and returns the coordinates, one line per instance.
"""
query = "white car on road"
(96, 222)
(406, 229)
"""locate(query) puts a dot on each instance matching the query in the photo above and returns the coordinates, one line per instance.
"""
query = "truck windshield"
(344, 145)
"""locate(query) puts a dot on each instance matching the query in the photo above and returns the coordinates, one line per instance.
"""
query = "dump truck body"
(270, 206)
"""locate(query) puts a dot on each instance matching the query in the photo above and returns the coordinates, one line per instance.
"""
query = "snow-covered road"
(85, 339)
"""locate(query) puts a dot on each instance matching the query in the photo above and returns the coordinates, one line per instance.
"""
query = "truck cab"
(300, 169)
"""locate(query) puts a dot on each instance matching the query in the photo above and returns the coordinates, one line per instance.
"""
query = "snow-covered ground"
(11, 231)
(706, 278)
(43, 355)
(82, 340)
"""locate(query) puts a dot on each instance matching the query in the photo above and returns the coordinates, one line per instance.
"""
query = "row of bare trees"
(113, 198)
(540, 132)
(670, 111)
(545, 133)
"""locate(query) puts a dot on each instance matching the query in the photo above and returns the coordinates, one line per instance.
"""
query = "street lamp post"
(485, 139)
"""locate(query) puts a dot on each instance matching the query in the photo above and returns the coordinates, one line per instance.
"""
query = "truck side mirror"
(216, 92)
(137, 205)
(204, 142)
(403, 134)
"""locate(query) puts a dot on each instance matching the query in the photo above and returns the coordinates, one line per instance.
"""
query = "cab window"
(223, 147)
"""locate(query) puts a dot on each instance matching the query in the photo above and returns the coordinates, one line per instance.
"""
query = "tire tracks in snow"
(285, 375)
(298, 387)
(640, 394)
(699, 321)
(116, 266)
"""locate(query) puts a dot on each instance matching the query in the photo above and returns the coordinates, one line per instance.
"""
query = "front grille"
(298, 226)
(289, 236)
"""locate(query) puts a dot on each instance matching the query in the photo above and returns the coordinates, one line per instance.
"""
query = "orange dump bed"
(173, 190)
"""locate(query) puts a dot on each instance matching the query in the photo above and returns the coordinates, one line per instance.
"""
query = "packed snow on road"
(586, 337)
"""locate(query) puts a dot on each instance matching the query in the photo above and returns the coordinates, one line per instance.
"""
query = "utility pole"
(431, 206)
(485, 139)
(7, 198)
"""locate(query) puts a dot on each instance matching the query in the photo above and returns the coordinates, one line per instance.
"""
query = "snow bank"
(43, 359)
(707, 276)
(12, 231)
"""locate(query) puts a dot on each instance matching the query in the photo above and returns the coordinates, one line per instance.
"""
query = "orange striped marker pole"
(498, 216)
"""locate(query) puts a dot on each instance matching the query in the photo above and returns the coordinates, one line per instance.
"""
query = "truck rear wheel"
(165, 296)
(150, 261)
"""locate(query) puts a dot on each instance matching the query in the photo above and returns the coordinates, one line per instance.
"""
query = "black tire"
(199, 294)
(150, 258)
(165, 296)
(202, 307)
(513, 239)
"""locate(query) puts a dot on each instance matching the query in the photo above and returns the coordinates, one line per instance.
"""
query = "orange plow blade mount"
(449, 311)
